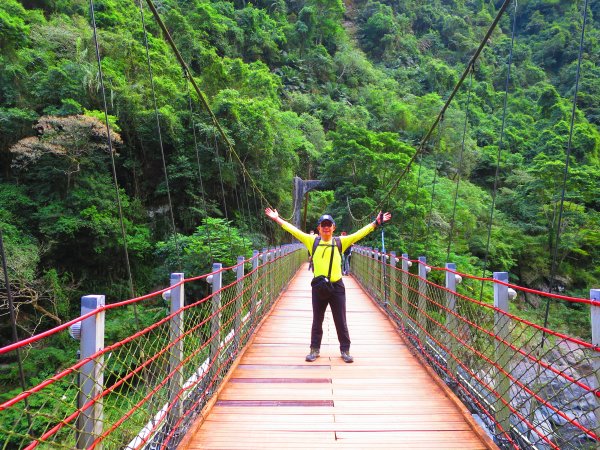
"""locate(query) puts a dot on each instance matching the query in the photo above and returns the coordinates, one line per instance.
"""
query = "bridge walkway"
(385, 399)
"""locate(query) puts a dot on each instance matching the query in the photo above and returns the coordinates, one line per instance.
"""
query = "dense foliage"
(342, 92)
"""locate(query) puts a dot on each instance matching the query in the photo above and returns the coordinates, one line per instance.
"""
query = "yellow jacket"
(323, 252)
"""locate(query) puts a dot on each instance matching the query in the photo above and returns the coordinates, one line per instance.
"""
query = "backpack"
(338, 244)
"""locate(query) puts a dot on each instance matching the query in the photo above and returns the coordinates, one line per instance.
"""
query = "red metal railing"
(142, 384)
(529, 384)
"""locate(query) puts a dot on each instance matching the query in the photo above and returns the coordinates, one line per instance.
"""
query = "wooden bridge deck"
(385, 399)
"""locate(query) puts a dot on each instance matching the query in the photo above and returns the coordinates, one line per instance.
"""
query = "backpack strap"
(338, 243)
(315, 245)
(311, 266)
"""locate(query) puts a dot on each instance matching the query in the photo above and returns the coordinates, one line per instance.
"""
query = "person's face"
(326, 229)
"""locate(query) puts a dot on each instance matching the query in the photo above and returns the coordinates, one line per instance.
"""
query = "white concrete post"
(376, 280)
(176, 354)
(502, 332)
(392, 277)
(422, 303)
(451, 320)
(239, 300)
(384, 296)
(595, 316)
(264, 283)
(91, 375)
(255, 288)
(215, 322)
(405, 291)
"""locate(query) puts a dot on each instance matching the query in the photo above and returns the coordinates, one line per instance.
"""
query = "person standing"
(327, 259)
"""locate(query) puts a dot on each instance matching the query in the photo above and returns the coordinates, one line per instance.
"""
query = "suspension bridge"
(227, 370)
(443, 358)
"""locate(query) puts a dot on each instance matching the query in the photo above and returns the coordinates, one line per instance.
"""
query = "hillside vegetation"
(318, 89)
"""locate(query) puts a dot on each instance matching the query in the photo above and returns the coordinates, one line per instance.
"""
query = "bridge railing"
(530, 385)
(145, 367)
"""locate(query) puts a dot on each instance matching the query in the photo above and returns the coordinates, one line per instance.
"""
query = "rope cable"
(460, 162)
(218, 159)
(415, 201)
(240, 206)
(470, 64)
(555, 265)
(434, 182)
(112, 153)
(500, 145)
(159, 133)
(201, 96)
(197, 149)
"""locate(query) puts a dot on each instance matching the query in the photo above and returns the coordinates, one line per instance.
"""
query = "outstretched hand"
(383, 217)
(271, 213)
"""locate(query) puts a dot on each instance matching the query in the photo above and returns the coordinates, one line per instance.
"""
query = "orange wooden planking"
(385, 399)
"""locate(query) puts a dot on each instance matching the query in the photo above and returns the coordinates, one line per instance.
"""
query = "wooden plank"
(385, 399)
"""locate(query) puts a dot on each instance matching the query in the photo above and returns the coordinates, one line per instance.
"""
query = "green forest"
(343, 92)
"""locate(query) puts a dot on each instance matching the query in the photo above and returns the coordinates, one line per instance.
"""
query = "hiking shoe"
(313, 355)
(347, 358)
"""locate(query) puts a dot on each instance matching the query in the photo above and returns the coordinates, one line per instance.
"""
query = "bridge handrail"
(530, 384)
(157, 377)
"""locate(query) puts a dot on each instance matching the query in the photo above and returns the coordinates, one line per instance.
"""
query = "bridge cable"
(241, 206)
(112, 154)
(500, 145)
(218, 159)
(197, 149)
(470, 64)
(415, 201)
(460, 163)
(15, 333)
(434, 182)
(159, 133)
(201, 97)
(555, 265)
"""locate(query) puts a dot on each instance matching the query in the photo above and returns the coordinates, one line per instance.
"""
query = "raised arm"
(381, 218)
(274, 216)
(306, 239)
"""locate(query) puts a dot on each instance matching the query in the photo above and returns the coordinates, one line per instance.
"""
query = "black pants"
(337, 302)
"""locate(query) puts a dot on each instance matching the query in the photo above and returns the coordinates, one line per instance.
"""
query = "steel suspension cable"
(554, 267)
(218, 158)
(240, 205)
(500, 145)
(470, 64)
(460, 161)
(201, 96)
(415, 201)
(112, 153)
(197, 149)
(159, 133)
(433, 185)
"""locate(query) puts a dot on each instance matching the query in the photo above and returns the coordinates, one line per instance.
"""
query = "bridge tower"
(301, 188)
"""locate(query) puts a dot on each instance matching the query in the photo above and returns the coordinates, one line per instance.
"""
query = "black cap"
(325, 217)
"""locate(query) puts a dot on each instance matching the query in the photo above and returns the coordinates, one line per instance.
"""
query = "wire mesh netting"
(144, 383)
(529, 385)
